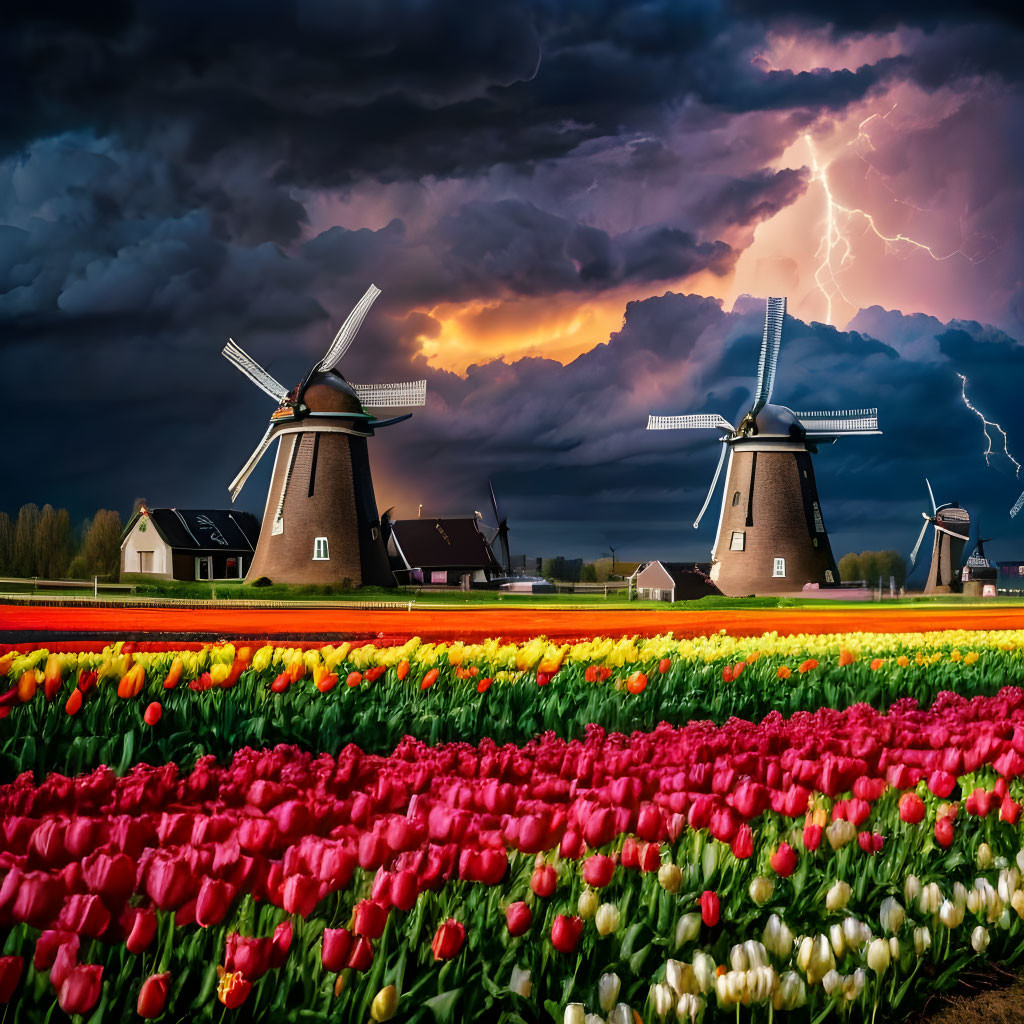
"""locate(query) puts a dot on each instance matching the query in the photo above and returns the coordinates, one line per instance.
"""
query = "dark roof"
(443, 543)
(691, 579)
(204, 529)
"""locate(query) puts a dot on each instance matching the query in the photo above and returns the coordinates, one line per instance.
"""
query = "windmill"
(499, 535)
(952, 525)
(320, 524)
(771, 535)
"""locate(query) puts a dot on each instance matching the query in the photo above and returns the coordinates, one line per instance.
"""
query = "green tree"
(24, 549)
(849, 567)
(52, 543)
(589, 574)
(100, 553)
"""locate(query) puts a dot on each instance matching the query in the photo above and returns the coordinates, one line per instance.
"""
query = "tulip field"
(812, 827)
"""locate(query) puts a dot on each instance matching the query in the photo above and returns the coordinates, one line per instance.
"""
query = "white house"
(671, 581)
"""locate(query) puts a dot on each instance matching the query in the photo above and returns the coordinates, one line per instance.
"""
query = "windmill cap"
(778, 421)
(330, 392)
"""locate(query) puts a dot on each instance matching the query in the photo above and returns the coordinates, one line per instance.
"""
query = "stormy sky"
(574, 210)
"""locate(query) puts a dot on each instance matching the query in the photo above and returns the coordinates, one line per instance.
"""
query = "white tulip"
(894, 947)
(761, 982)
(855, 932)
(574, 1014)
(911, 888)
(791, 993)
(622, 1014)
(1009, 883)
(608, 987)
(980, 939)
(1020, 859)
(840, 832)
(606, 920)
(674, 976)
(922, 940)
(586, 905)
(663, 999)
(931, 898)
(838, 896)
(704, 971)
(891, 915)
(777, 938)
(837, 939)
(1004, 920)
(593, 1018)
(1017, 902)
(984, 856)
(757, 955)
(831, 981)
(761, 890)
(670, 877)
(520, 982)
(688, 1007)
(960, 895)
(853, 984)
(687, 929)
(878, 956)
(950, 914)
(738, 958)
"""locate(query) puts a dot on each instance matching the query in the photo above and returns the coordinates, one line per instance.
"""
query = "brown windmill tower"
(952, 528)
(771, 534)
(320, 524)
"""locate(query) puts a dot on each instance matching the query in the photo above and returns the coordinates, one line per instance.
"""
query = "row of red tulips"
(363, 843)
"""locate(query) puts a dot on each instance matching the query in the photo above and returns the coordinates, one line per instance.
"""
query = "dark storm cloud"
(586, 471)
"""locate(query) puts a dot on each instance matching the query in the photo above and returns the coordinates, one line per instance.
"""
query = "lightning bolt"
(835, 251)
(985, 424)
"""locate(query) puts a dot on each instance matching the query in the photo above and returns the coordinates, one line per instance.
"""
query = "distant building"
(527, 565)
(672, 581)
(448, 552)
(189, 544)
(1011, 577)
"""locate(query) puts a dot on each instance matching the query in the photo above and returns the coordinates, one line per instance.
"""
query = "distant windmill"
(320, 524)
(771, 534)
(499, 535)
(979, 571)
(952, 526)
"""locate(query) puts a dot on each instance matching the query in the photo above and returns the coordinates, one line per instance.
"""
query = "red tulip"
(709, 907)
(281, 943)
(47, 844)
(1009, 810)
(630, 855)
(80, 990)
(153, 715)
(38, 898)
(566, 932)
(11, 968)
(169, 883)
(599, 828)
(518, 917)
(544, 880)
(153, 995)
(48, 946)
(63, 962)
(110, 876)
(650, 857)
(743, 843)
(403, 890)
(369, 919)
(361, 955)
(213, 902)
(84, 915)
(941, 784)
(300, 895)
(248, 956)
(233, 989)
(784, 860)
(664, 665)
(812, 837)
(598, 870)
(143, 931)
(335, 949)
(448, 939)
(944, 831)
(912, 809)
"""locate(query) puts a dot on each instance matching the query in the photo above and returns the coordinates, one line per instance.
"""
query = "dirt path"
(23, 623)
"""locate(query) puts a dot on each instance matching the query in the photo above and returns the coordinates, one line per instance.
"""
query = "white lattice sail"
(236, 355)
(386, 396)
(767, 361)
(347, 332)
(691, 421)
(838, 421)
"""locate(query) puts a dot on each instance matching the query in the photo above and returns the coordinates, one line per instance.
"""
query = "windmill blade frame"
(768, 359)
(347, 332)
(839, 421)
(390, 396)
(236, 485)
(1018, 505)
(690, 421)
(714, 484)
(502, 530)
(242, 361)
(920, 537)
(931, 494)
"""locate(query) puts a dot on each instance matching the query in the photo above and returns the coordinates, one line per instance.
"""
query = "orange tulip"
(74, 702)
(783, 672)
(636, 683)
(429, 679)
(52, 677)
(327, 681)
(296, 670)
(27, 685)
(233, 988)
(353, 678)
(173, 676)
(808, 665)
(877, 663)
(484, 685)
(403, 669)
(281, 683)
(846, 658)
(6, 661)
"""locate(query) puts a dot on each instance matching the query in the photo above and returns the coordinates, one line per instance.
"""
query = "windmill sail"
(711, 489)
(774, 315)
(839, 421)
(1017, 507)
(501, 534)
(692, 421)
(920, 537)
(236, 485)
(347, 332)
(386, 396)
(235, 354)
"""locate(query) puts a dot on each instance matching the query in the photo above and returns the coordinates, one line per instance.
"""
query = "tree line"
(43, 543)
(869, 565)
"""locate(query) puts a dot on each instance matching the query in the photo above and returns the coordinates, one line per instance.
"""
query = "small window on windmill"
(320, 550)
(737, 541)
(780, 568)
(736, 498)
(374, 533)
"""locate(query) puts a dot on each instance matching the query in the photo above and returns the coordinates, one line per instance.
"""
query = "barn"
(672, 581)
(189, 544)
(449, 552)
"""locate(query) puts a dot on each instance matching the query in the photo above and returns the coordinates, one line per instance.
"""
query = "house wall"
(654, 577)
(148, 539)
